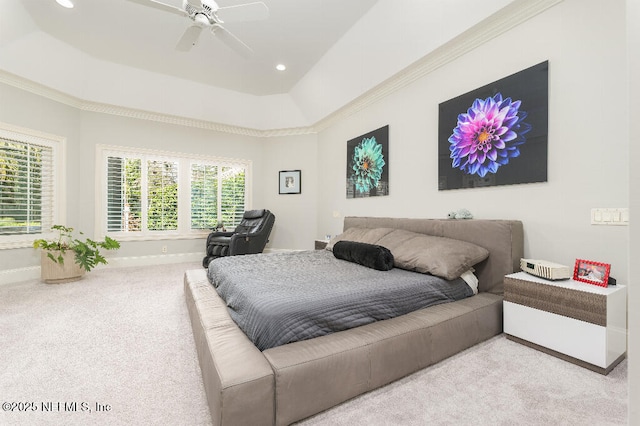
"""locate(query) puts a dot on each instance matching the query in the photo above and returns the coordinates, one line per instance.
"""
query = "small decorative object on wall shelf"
(368, 164)
(596, 273)
(496, 134)
(290, 182)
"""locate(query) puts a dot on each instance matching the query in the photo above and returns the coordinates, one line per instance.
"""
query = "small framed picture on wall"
(290, 182)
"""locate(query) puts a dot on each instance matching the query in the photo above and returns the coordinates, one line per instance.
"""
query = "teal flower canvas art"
(367, 164)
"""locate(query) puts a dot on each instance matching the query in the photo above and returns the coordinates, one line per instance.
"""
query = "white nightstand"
(579, 322)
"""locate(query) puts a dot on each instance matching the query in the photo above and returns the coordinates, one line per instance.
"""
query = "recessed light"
(281, 67)
(65, 3)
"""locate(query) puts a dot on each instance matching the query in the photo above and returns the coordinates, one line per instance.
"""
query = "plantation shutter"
(26, 187)
(162, 195)
(155, 194)
(124, 204)
(204, 196)
(233, 195)
(115, 193)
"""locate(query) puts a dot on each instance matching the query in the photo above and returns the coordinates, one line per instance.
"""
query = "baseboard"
(125, 262)
(276, 250)
(9, 276)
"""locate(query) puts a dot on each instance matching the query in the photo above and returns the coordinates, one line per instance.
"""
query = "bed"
(286, 383)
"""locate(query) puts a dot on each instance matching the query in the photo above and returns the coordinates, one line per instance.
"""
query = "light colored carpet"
(122, 337)
(119, 336)
(498, 382)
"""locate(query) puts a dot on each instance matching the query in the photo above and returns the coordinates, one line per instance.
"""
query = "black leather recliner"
(249, 237)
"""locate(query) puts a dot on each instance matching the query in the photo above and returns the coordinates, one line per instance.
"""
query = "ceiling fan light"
(65, 3)
(281, 67)
(201, 19)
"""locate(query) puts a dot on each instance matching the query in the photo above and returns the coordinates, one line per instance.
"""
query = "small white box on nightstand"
(545, 269)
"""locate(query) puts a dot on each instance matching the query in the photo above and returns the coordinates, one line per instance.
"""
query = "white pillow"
(470, 278)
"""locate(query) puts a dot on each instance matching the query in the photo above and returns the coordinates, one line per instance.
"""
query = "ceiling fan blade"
(232, 41)
(161, 6)
(195, 3)
(189, 38)
(255, 11)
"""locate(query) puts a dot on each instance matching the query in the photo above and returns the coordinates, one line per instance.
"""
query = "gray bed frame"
(287, 383)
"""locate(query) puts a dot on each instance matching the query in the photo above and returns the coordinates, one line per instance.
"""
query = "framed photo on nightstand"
(596, 273)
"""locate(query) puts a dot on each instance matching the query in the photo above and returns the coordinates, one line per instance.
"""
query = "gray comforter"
(279, 298)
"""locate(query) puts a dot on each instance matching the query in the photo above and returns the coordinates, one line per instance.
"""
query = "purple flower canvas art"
(488, 135)
(497, 134)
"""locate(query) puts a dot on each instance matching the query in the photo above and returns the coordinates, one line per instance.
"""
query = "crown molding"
(27, 85)
(168, 119)
(122, 111)
(500, 22)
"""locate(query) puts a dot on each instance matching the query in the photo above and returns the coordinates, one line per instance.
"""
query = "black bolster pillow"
(369, 255)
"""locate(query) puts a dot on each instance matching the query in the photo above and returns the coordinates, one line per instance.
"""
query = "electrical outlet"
(164, 249)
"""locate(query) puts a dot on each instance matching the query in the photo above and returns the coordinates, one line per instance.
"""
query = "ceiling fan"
(207, 14)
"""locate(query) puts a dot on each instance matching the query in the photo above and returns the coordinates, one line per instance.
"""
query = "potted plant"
(67, 258)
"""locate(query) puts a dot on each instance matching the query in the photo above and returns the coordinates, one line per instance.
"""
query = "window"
(150, 194)
(29, 201)
(204, 196)
(217, 195)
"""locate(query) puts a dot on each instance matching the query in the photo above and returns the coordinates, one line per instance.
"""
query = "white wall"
(296, 215)
(29, 111)
(633, 352)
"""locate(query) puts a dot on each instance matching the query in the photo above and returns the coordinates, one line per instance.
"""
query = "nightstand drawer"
(578, 339)
(589, 307)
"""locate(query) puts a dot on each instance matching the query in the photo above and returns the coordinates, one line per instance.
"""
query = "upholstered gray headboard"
(503, 238)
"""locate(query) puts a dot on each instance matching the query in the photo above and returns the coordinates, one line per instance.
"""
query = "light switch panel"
(610, 216)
